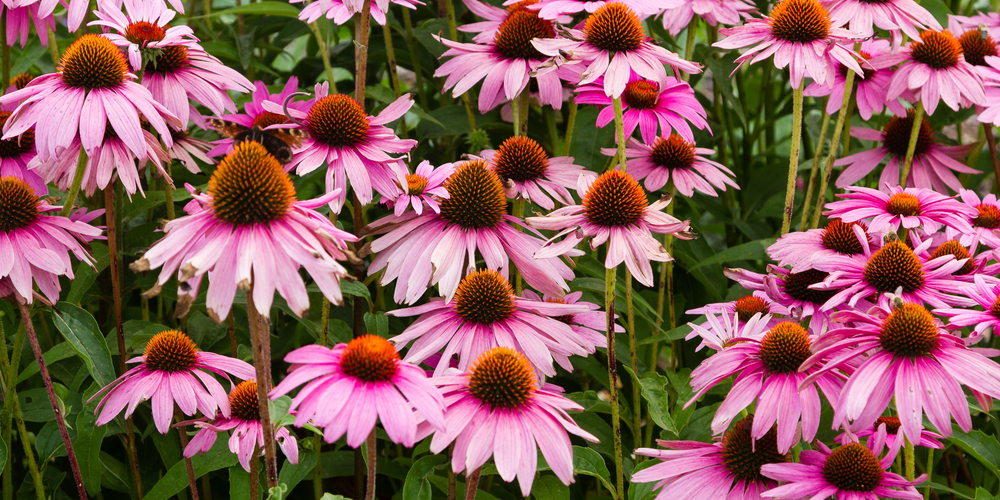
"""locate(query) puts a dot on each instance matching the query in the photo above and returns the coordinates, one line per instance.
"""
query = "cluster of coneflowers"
(882, 311)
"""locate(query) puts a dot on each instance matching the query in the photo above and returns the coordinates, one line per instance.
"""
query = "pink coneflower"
(590, 326)
(244, 421)
(649, 106)
(767, 371)
(961, 24)
(747, 317)
(799, 34)
(728, 468)
(484, 314)
(612, 44)
(939, 72)
(553, 9)
(985, 295)
(714, 12)
(895, 16)
(495, 16)
(983, 223)
(251, 232)
(676, 159)
(353, 144)
(34, 246)
(934, 164)
(505, 62)
(92, 88)
(870, 90)
(800, 249)
(352, 385)
(990, 73)
(187, 148)
(419, 251)
(78, 10)
(927, 439)
(909, 208)
(254, 114)
(852, 471)
(614, 210)
(907, 355)
(15, 155)
(142, 30)
(22, 14)
(421, 188)
(528, 172)
(793, 291)
(171, 370)
(341, 11)
(497, 409)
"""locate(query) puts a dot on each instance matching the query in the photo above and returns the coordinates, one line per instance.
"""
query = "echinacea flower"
(171, 370)
(870, 84)
(353, 144)
(254, 114)
(35, 246)
(795, 292)
(554, 9)
(614, 210)
(187, 148)
(529, 173)
(590, 326)
(714, 12)
(977, 45)
(905, 354)
(144, 28)
(419, 251)
(909, 208)
(747, 317)
(799, 249)
(493, 17)
(985, 295)
(728, 468)
(21, 14)
(895, 16)
(990, 73)
(928, 439)
(939, 72)
(676, 159)
(244, 422)
(983, 223)
(612, 44)
(853, 471)
(15, 155)
(250, 232)
(496, 408)
(649, 107)
(349, 387)
(341, 11)
(962, 24)
(91, 92)
(800, 35)
(421, 187)
(767, 371)
(484, 314)
(934, 164)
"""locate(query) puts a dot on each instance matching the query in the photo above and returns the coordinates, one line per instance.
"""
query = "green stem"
(793, 158)
(53, 45)
(838, 128)
(324, 54)
(74, 189)
(918, 118)
(992, 144)
(616, 425)
(930, 472)
(823, 129)
(4, 53)
(634, 361)
(453, 34)
(370, 490)
(168, 191)
(570, 124)
(909, 461)
(619, 131)
(520, 108)
(692, 30)
(411, 41)
(11, 369)
(517, 210)
(390, 53)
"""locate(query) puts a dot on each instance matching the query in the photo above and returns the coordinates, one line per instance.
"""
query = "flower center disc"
(338, 120)
(615, 199)
(784, 348)
(21, 80)
(909, 331)
(641, 94)
(484, 297)
(903, 204)
(267, 118)
(250, 187)
(614, 28)
(673, 152)
(415, 184)
(143, 32)
(170, 351)
(370, 358)
(853, 468)
(896, 135)
(797, 287)
(953, 247)
(93, 62)
(477, 199)
(937, 49)
(520, 159)
(16, 147)
(168, 60)
(891, 424)
(502, 378)
(839, 236)
(743, 457)
(746, 307)
(988, 218)
(243, 401)
(894, 266)
(976, 48)
(800, 21)
(513, 38)
(18, 204)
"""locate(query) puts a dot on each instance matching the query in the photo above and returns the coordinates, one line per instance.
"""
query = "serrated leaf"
(589, 462)
(654, 391)
(416, 486)
(981, 446)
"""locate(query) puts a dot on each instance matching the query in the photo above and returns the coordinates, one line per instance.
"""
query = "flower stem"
(262, 365)
(370, 490)
(74, 189)
(619, 131)
(192, 481)
(324, 54)
(616, 424)
(793, 158)
(838, 129)
(472, 484)
(255, 473)
(992, 144)
(823, 129)
(53, 44)
(12, 410)
(60, 421)
(411, 41)
(918, 118)
(570, 124)
(910, 462)
(634, 361)
(362, 30)
(390, 53)
(5, 65)
(692, 30)
(517, 210)
(449, 9)
(930, 471)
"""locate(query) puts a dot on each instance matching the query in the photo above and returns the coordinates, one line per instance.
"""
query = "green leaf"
(983, 447)
(754, 250)
(3, 454)
(941, 487)
(176, 479)
(266, 8)
(377, 324)
(585, 147)
(88, 450)
(938, 9)
(86, 275)
(239, 482)
(82, 332)
(57, 353)
(331, 496)
(654, 391)
(114, 474)
(292, 474)
(680, 382)
(549, 488)
(589, 462)
(416, 486)
(984, 494)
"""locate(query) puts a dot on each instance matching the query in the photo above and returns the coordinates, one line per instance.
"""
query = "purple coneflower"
(590, 326)
(927, 439)
(746, 317)
(909, 208)
(800, 249)
(21, 14)
(985, 295)
(676, 159)
(983, 223)
(420, 189)
(895, 16)
(254, 114)
(187, 148)
(714, 12)
(554, 9)
(870, 90)
(15, 155)
(528, 172)
(144, 27)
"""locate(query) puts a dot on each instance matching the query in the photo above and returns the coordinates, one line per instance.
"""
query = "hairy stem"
(370, 490)
(192, 481)
(992, 144)
(570, 124)
(472, 484)
(823, 129)
(793, 158)
(633, 360)
(74, 189)
(910, 463)
(262, 365)
(324, 54)
(918, 118)
(619, 131)
(838, 128)
(616, 424)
